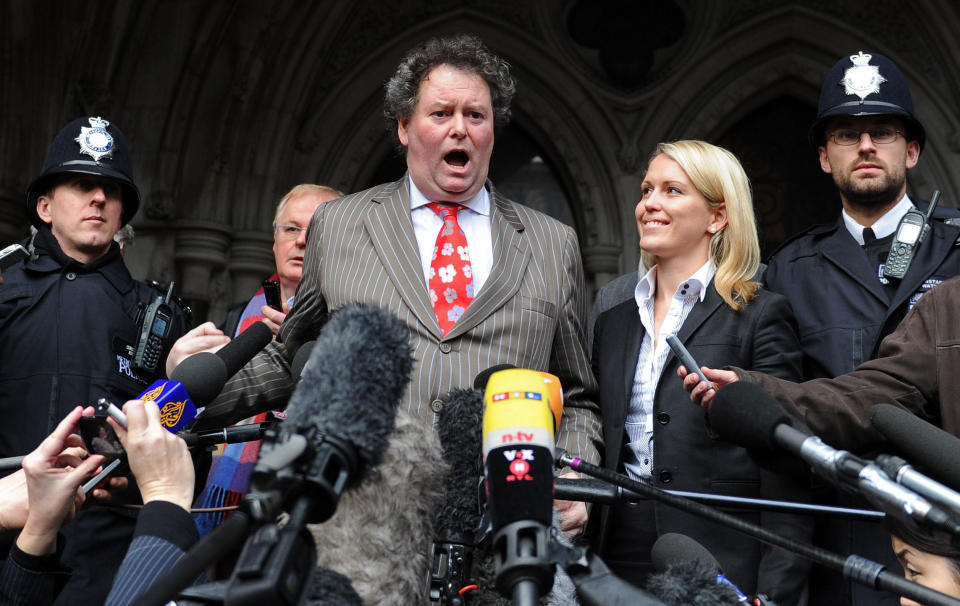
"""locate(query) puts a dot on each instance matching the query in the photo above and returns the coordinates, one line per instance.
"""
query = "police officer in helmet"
(867, 138)
(69, 324)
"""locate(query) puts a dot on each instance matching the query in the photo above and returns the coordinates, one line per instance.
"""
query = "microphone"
(227, 435)
(689, 573)
(904, 474)
(200, 378)
(518, 447)
(921, 442)
(340, 414)
(458, 512)
(745, 414)
(335, 430)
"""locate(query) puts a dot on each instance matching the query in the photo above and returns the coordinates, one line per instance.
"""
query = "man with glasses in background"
(867, 138)
(290, 224)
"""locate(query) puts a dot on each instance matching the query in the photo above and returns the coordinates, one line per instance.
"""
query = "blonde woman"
(698, 279)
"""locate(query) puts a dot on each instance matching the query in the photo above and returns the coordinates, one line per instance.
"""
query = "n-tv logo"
(521, 437)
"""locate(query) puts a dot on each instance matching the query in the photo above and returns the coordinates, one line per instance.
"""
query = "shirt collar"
(694, 285)
(479, 203)
(882, 227)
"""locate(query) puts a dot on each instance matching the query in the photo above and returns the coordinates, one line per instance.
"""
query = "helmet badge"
(862, 79)
(95, 141)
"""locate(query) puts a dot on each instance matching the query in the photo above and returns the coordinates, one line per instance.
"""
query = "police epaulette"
(180, 302)
(816, 227)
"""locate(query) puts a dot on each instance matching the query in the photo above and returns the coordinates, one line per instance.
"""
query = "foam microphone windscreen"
(244, 346)
(672, 548)
(459, 429)
(691, 583)
(381, 533)
(746, 414)
(354, 381)
(330, 588)
(926, 446)
(202, 375)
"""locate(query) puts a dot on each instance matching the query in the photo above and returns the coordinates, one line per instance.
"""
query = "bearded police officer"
(69, 323)
(867, 138)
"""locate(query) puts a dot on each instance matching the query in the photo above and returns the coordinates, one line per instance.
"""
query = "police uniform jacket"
(685, 457)
(842, 309)
(66, 337)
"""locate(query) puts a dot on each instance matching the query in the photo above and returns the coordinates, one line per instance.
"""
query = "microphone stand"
(855, 568)
(606, 493)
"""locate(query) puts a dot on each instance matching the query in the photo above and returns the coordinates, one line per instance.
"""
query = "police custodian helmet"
(866, 85)
(91, 146)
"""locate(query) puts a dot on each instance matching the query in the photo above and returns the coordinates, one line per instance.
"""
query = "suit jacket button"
(663, 418)
(445, 347)
(665, 476)
(436, 405)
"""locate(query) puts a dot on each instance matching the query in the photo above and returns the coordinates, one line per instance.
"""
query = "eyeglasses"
(849, 136)
(289, 232)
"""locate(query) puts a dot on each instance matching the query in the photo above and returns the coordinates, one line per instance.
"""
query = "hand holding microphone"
(159, 460)
(204, 338)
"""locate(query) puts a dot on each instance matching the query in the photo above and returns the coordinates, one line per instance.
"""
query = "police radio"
(912, 230)
(154, 328)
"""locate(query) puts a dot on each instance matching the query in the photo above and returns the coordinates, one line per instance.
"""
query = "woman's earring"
(713, 230)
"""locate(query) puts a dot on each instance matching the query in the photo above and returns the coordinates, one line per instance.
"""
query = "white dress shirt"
(638, 460)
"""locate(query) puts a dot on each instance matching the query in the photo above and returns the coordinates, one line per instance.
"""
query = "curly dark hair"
(463, 51)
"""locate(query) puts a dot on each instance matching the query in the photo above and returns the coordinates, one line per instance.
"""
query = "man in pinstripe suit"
(375, 247)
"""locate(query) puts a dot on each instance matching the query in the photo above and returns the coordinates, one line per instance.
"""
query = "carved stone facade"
(228, 104)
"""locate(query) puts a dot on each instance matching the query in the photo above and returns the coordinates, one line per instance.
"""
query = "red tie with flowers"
(451, 276)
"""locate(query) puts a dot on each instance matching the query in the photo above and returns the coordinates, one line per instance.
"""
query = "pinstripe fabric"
(530, 312)
(22, 584)
(147, 558)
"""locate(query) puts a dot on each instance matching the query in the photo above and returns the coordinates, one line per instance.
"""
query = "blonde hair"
(301, 190)
(735, 249)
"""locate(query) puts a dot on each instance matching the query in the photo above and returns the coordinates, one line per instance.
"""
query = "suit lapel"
(398, 251)
(623, 335)
(628, 318)
(511, 254)
(697, 316)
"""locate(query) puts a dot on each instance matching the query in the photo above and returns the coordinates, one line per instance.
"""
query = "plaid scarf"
(230, 469)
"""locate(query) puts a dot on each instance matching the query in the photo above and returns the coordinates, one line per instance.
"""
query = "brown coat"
(917, 368)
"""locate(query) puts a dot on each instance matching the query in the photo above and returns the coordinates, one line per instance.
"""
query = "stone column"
(201, 249)
(601, 263)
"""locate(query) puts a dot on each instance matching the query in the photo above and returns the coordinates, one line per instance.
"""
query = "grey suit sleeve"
(581, 432)
(27, 580)
(265, 382)
(611, 294)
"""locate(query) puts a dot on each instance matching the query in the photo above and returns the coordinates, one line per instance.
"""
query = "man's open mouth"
(457, 158)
